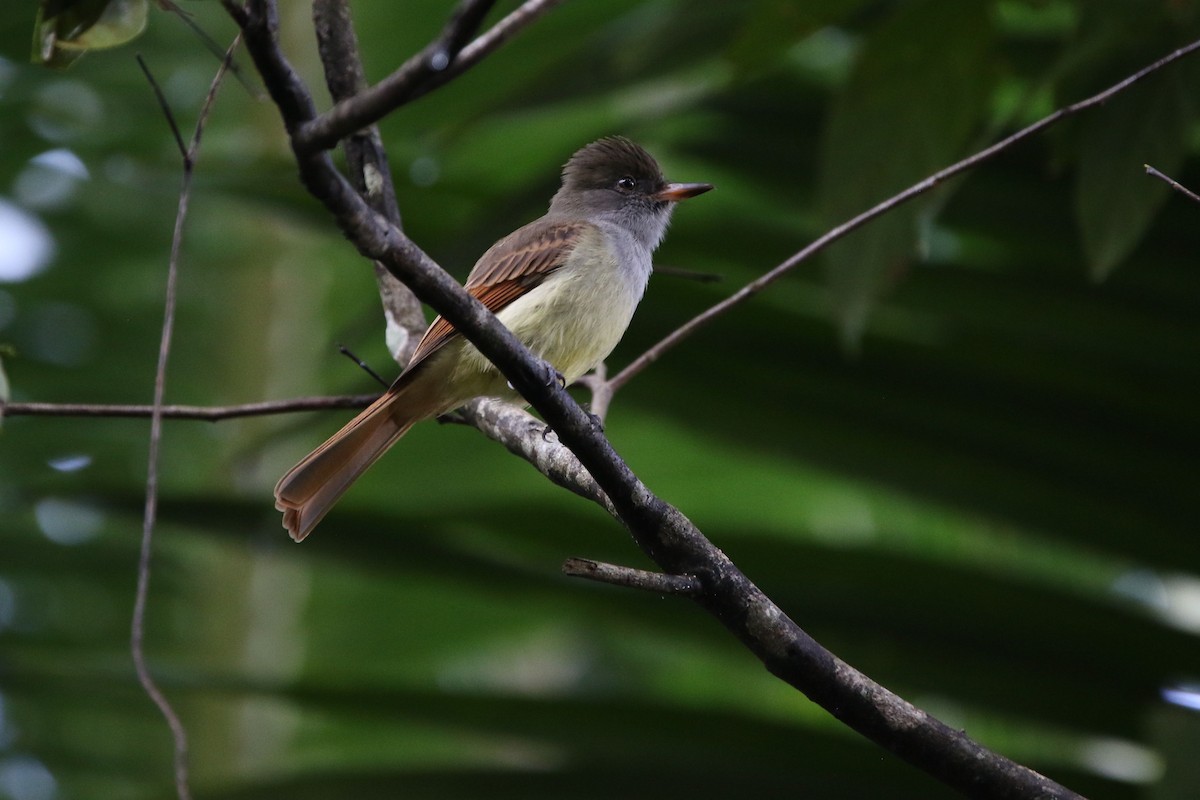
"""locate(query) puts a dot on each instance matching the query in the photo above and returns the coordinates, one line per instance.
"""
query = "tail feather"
(309, 489)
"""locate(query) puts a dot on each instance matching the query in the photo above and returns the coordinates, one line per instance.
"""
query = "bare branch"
(688, 274)
(754, 287)
(138, 622)
(364, 366)
(165, 107)
(434, 66)
(527, 437)
(337, 44)
(1174, 184)
(210, 44)
(204, 413)
(367, 166)
(597, 383)
(631, 578)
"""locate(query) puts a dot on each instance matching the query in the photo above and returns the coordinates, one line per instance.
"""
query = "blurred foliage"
(66, 29)
(961, 452)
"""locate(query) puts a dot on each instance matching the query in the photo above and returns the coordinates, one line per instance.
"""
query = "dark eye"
(626, 184)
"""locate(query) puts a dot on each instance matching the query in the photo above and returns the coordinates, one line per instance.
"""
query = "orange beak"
(674, 192)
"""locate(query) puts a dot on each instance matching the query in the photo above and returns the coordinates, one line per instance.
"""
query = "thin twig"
(210, 44)
(166, 109)
(688, 274)
(203, 413)
(657, 582)
(1174, 184)
(754, 287)
(597, 383)
(137, 625)
(364, 366)
(416, 77)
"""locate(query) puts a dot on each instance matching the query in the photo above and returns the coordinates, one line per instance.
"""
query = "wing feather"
(509, 269)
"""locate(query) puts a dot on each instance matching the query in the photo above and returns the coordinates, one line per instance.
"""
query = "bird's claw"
(553, 376)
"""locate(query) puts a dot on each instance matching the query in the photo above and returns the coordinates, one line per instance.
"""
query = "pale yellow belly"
(573, 320)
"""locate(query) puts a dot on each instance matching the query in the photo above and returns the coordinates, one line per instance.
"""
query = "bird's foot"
(553, 376)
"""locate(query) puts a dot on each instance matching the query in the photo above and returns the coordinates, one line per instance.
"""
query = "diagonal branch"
(657, 582)
(524, 436)
(436, 65)
(941, 176)
(337, 45)
(367, 163)
(664, 533)
(1174, 184)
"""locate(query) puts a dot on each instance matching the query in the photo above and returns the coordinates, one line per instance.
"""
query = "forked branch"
(440, 62)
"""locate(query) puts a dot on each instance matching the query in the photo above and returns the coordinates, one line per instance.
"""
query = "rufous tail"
(309, 489)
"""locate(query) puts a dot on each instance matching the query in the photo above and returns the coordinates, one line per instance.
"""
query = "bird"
(566, 285)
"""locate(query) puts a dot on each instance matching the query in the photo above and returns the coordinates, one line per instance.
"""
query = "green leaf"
(66, 29)
(914, 97)
(1115, 201)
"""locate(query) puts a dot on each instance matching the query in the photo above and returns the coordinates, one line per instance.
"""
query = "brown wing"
(539, 248)
(509, 269)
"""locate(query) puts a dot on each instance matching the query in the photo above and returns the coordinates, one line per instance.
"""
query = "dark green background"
(960, 450)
